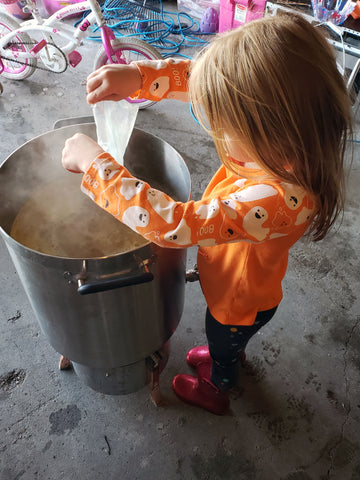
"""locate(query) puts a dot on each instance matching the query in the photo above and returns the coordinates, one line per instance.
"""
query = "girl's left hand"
(79, 152)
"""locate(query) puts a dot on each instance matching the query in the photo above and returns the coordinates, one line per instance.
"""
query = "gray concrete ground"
(295, 413)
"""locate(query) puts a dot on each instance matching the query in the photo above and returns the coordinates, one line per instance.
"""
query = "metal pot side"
(107, 331)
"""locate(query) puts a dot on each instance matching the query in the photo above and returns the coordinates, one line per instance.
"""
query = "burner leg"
(64, 363)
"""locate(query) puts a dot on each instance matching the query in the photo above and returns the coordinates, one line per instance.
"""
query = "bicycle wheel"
(13, 69)
(132, 49)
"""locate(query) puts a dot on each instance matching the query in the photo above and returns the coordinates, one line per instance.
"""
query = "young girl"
(279, 113)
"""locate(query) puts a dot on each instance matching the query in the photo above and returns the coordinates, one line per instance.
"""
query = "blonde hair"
(275, 84)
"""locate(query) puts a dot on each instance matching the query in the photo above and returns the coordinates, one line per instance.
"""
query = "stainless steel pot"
(112, 316)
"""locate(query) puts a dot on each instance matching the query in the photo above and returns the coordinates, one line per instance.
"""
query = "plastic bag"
(114, 125)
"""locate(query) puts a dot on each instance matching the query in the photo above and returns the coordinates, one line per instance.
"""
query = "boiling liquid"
(60, 220)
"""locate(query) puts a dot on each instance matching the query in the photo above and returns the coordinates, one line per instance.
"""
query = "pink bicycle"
(51, 44)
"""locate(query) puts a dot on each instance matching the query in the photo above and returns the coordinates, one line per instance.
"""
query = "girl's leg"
(227, 344)
(209, 390)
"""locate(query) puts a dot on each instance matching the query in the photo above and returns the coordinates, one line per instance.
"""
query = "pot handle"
(114, 282)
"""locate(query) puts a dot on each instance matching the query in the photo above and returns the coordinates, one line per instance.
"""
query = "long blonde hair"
(274, 82)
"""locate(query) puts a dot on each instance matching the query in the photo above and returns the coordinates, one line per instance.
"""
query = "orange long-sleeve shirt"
(244, 228)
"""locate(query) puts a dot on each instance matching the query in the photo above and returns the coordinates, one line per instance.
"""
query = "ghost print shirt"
(243, 227)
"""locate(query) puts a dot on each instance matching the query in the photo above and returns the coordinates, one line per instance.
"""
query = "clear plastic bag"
(114, 124)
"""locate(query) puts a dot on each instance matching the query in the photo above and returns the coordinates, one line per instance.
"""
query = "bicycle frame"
(54, 26)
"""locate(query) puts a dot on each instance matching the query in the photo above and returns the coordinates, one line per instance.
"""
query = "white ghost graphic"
(293, 195)
(209, 210)
(106, 168)
(230, 208)
(160, 65)
(240, 183)
(161, 204)
(135, 217)
(159, 87)
(131, 187)
(304, 215)
(181, 235)
(253, 222)
(254, 192)
(277, 235)
(208, 242)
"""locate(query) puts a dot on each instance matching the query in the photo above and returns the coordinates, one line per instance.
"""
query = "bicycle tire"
(14, 70)
(141, 51)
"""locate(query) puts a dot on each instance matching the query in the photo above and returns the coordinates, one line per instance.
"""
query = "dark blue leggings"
(227, 344)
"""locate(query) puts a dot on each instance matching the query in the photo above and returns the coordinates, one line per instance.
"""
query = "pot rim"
(35, 253)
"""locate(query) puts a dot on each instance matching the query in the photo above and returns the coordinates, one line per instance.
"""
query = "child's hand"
(113, 82)
(78, 153)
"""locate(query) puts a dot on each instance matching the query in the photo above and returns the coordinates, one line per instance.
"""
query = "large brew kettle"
(111, 316)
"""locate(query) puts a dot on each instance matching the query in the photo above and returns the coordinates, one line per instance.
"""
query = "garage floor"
(295, 413)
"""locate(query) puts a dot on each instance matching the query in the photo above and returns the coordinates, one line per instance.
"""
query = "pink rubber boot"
(199, 358)
(200, 355)
(202, 393)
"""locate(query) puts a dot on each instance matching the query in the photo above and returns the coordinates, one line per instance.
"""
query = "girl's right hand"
(79, 152)
(113, 82)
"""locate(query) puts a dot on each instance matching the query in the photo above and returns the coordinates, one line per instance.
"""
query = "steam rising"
(59, 220)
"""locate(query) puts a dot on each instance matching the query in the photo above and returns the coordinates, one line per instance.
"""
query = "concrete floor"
(295, 413)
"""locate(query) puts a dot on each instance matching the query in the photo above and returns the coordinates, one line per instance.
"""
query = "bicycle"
(55, 43)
